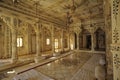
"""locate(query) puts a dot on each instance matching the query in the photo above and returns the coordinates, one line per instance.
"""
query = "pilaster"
(38, 56)
(78, 41)
(62, 40)
(53, 40)
(14, 40)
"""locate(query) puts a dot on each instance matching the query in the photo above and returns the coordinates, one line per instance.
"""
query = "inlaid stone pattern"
(115, 8)
(117, 61)
(115, 35)
(115, 48)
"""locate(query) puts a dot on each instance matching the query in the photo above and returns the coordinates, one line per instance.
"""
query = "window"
(19, 42)
(71, 46)
(56, 45)
(48, 41)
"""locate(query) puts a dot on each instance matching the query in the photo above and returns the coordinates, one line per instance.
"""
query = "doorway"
(100, 40)
(75, 40)
(88, 41)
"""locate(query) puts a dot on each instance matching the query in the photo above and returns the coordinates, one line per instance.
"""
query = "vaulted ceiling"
(84, 9)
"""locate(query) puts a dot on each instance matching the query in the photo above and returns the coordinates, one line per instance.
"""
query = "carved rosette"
(116, 61)
(115, 8)
(115, 48)
(115, 35)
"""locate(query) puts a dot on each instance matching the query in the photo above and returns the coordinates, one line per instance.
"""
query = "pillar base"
(92, 50)
(13, 60)
(39, 58)
(56, 54)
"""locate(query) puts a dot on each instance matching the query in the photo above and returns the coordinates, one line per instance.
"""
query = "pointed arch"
(85, 39)
(100, 39)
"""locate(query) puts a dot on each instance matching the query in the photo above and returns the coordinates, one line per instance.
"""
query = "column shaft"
(14, 40)
(92, 41)
(38, 45)
(53, 41)
(62, 41)
(14, 46)
(77, 41)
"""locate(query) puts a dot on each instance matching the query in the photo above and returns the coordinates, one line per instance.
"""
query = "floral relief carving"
(115, 47)
(117, 61)
(115, 35)
(115, 8)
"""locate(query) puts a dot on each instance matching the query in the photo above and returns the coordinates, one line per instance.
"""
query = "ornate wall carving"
(115, 35)
(116, 61)
(115, 47)
(115, 8)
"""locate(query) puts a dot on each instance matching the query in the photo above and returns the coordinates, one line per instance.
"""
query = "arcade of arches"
(34, 31)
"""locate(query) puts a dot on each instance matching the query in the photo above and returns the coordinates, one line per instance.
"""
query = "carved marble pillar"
(53, 40)
(38, 45)
(77, 30)
(77, 41)
(92, 41)
(14, 40)
(14, 46)
(6, 42)
(62, 40)
(108, 32)
(69, 40)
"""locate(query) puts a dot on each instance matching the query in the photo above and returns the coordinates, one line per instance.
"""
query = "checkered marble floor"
(65, 68)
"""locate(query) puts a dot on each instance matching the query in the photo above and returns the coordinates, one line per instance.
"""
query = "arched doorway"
(85, 40)
(72, 41)
(100, 40)
(75, 35)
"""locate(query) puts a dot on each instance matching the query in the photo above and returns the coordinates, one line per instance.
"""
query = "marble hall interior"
(59, 39)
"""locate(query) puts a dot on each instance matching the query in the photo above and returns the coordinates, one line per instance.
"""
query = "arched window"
(48, 41)
(19, 42)
(56, 45)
